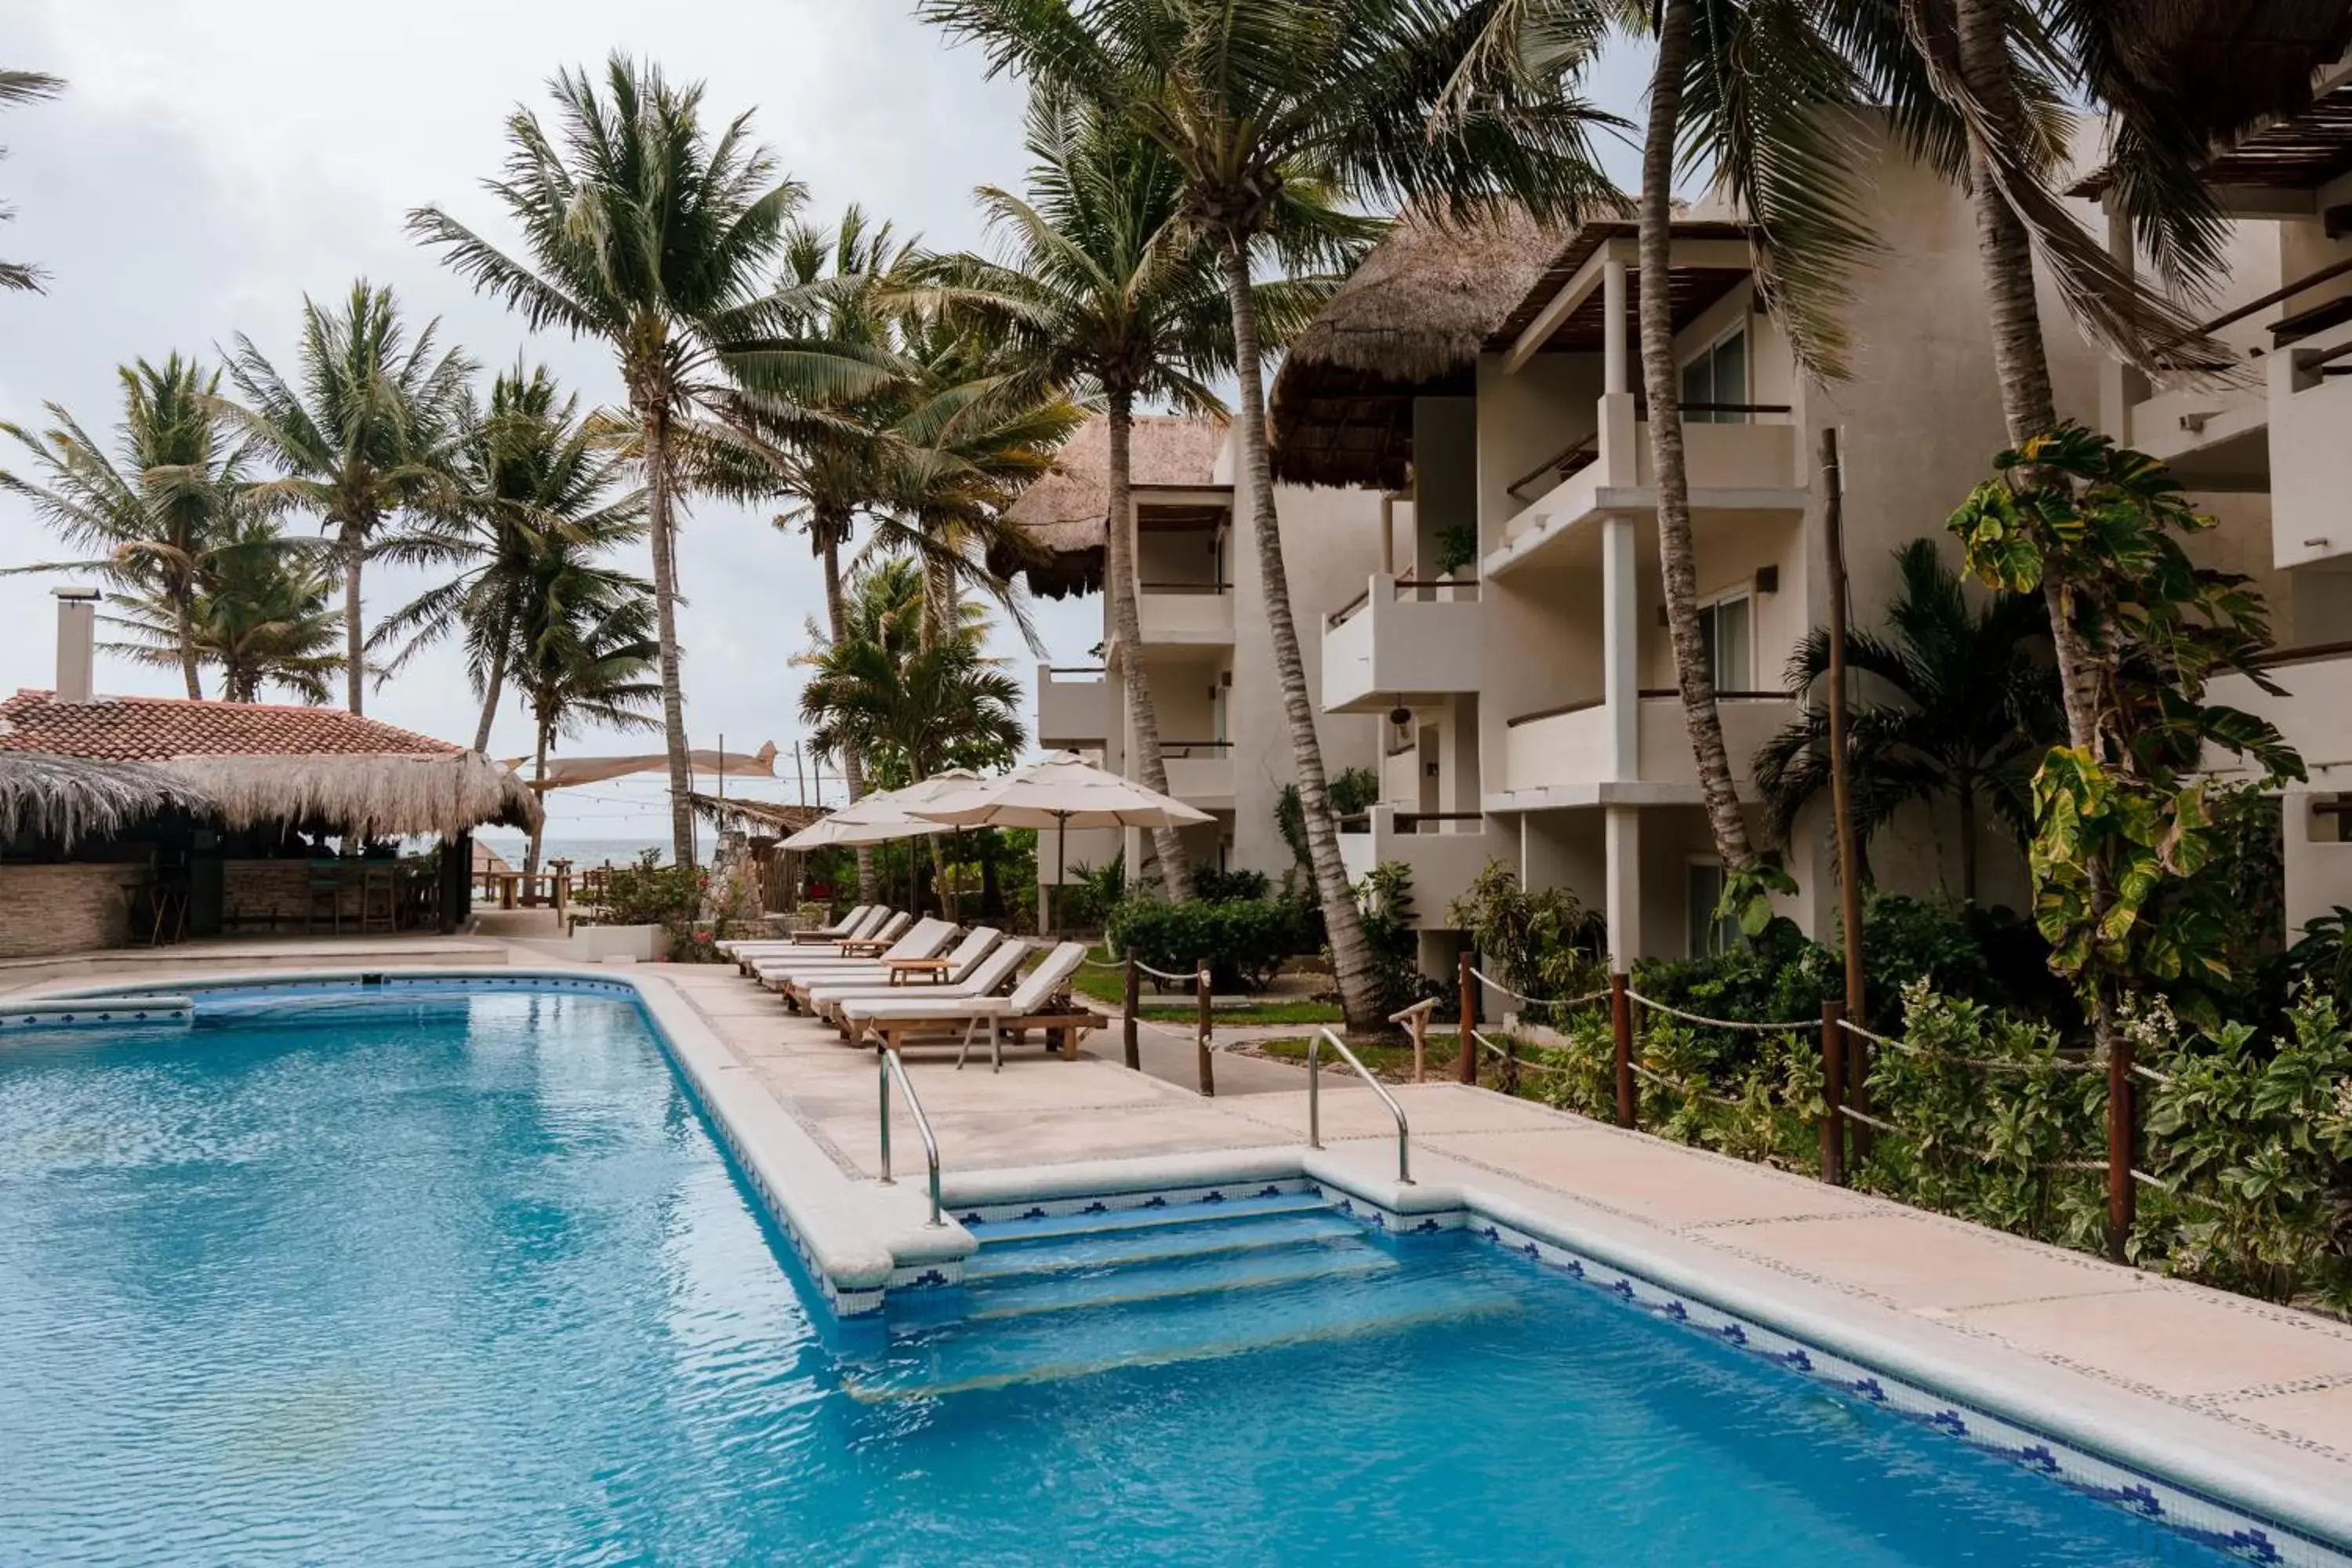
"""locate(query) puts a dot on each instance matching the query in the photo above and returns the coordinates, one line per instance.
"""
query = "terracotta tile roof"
(156, 729)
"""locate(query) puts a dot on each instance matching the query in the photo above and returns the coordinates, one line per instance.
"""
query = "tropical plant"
(1354, 791)
(912, 710)
(262, 611)
(365, 431)
(647, 232)
(1539, 940)
(2125, 829)
(536, 493)
(1384, 898)
(583, 657)
(1242, 943)
(1970, 708)
(1107, 290)
(22, 87)
(1278, 115)
(173, 491)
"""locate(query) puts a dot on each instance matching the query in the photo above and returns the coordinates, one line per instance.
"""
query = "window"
(1723, 625)
(1706, 933)
(1717, 375)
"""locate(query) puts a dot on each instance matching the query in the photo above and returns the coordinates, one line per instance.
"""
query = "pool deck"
(2248, 1399)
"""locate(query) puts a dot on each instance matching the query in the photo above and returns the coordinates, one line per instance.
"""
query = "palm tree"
(365, 432)
(1106, 288)
(156, 507)
(912, 701)
(23, 86)
(1276, 114)
(646, 231)
(263, 613)
(583, 655)
(536, 479)
(1972, 707)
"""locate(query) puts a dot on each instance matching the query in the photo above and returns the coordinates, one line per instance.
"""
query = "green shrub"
(1085, 902)
(1211, 886)
(1353, 792)
(1543, 942)
(1244, 942)
(649, 893)
(1384, 901)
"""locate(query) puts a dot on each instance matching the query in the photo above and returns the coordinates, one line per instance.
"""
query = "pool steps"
(1071, 1296)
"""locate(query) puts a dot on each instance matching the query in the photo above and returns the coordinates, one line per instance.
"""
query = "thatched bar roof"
(254, 762)
(766, 816)
(1408, 322)
(66, 799)
(1064, 515)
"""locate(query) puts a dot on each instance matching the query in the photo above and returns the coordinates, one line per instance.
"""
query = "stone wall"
(49, 909)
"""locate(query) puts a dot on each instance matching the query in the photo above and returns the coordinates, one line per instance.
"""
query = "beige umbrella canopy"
(1060, 791)
(883, 818)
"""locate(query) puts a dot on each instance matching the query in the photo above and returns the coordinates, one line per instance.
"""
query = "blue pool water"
(466, 1280)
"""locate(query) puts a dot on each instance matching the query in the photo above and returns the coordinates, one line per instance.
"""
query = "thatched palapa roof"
(64, 799)
(1409, 321)
(258, 763)
(1064, 515)
(772, 816)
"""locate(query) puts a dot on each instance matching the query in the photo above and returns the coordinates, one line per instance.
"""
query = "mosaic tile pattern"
(92, 1012)
(1113, 1203)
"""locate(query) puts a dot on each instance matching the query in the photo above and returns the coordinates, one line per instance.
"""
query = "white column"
(1615, 375)
(1622, 837)
(1621, 645)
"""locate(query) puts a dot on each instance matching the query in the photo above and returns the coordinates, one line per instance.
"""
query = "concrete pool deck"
(2251, 1400)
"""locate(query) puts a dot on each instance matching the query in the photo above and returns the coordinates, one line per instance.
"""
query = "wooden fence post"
(1466, 1068)
(2123, 1202)
(1207, 1022)
(1620, 1024)
(1134, 1000)
(1833, 1092)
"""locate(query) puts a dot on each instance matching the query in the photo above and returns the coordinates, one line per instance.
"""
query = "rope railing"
(1163, 975)
(1683, 1087)
(1988, 1064)
(1802, 1027)
(1491, 983)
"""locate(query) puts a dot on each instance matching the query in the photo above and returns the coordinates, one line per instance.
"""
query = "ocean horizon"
(586, 851)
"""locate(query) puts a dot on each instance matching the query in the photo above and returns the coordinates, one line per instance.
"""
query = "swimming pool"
(468, 1278)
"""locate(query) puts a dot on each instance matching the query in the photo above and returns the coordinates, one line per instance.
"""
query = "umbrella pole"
(1061, 847)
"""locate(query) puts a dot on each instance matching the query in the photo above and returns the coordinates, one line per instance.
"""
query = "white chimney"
(77, 638)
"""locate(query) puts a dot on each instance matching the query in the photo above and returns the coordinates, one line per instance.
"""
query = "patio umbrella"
(883, 818)
(1061, 790)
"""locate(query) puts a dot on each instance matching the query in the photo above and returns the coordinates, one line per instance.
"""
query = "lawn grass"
(1256, 1012)
(1392, 1062)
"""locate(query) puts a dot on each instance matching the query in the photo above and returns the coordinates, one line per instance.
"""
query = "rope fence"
(1804, 1026)
(1494, 985)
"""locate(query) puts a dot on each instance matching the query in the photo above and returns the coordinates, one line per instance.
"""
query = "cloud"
(210, 163)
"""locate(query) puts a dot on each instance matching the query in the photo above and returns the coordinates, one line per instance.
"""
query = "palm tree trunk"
(2019, 356)
(663, 528)
(183, 603)
(938, 586)
(1351, 955)
(493, 688)
(354, 543)
(2021, 359)
(830, 532)
(539, 781)
(1723, 818)
(1967, 796)
(1126, 641)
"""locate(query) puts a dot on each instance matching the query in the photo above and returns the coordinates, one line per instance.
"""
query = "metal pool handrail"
(893, 1068)
(1315, 1101)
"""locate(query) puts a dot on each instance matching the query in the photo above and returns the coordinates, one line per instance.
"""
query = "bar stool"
(378, 908)
(326, 883)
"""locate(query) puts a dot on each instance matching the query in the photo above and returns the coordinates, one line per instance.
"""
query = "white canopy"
(565, 773)
(885, 817)
(1060, 790)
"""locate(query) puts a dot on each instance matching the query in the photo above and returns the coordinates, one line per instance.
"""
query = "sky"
(211, 163)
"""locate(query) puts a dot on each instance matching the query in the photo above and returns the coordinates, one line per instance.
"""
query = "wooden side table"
(865, 947)
(916, 971)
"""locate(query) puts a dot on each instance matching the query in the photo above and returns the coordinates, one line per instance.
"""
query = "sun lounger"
(926, 939)
(912, 1019)
(884, 926)
(984, 976)
(834, 932)
(930, 972)
(807, 942)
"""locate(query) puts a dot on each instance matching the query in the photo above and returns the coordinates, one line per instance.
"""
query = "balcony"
(2310, 461)
(1401, 639)
(1444, 851)
(1197, 614)
(1562, 756)
(1200, 773)
(1751, 466)
(2314, 711)
(1073, 708)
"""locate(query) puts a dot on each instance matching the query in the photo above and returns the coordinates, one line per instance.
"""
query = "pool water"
(468, 1280)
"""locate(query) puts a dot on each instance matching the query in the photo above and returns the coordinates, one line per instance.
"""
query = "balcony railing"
(1453, 592)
